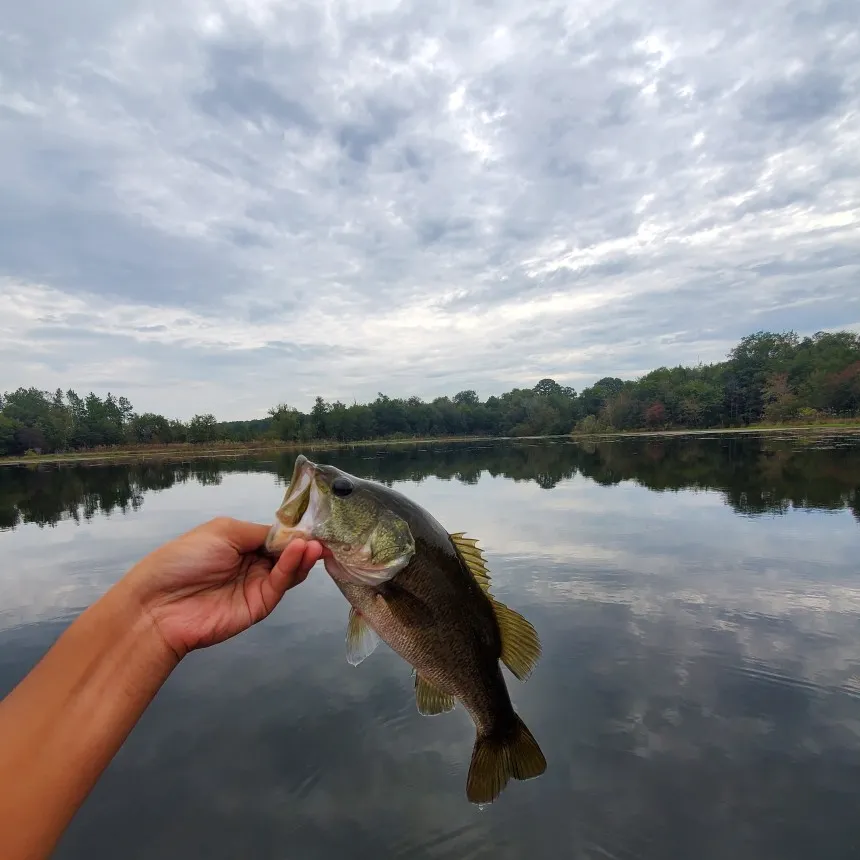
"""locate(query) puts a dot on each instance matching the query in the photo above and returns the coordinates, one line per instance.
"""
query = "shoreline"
(192, 451)
(239, 449)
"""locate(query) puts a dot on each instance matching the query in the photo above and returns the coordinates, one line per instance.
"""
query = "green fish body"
(426, 594)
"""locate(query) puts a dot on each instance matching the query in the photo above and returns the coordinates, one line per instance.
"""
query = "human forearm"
(65, 721)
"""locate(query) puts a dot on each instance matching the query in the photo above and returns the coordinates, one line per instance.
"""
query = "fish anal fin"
(521, 648)
(361, 638)
(430, 699)
(496, 761)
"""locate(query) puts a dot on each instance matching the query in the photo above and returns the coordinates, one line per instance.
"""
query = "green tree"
(149, 428)
(752, 361)
(319, 416)
(547, 388)
(202, 428)
(8, 435)
(286, 422)
(469, 397)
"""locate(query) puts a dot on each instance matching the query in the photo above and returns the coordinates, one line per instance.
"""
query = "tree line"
(754, 474)
(768, 377)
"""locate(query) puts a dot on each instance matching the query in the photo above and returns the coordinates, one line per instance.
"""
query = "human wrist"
(128, 599)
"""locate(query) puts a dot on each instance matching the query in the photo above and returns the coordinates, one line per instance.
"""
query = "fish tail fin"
(495, 760)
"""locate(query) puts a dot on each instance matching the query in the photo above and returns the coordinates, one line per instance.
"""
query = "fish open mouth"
(299, 511)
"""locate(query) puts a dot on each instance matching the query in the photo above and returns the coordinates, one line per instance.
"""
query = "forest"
(755, 475)
(768, 377)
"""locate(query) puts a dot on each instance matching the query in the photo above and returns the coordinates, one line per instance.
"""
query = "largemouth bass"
(426, 593)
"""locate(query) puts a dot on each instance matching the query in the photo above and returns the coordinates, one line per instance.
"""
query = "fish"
(426, 593)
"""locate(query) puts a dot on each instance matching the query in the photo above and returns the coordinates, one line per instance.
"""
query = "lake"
(697, 598)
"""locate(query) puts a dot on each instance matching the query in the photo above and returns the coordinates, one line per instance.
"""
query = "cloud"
(224, 205)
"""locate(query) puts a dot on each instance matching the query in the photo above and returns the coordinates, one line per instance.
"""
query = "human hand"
(216, 581)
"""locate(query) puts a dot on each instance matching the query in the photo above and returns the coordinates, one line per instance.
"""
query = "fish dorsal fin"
(361, 638)
(430, 699)
(521, 646)
(474, 558)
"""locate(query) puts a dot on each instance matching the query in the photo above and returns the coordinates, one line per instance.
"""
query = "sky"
(220, 206)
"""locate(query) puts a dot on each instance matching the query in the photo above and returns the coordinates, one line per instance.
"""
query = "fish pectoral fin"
(361, 638)
(408, 609)
(430, 699)
(521, 646)
(496, 760)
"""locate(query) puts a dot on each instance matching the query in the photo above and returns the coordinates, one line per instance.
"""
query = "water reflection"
(697, 697)
(756, 475)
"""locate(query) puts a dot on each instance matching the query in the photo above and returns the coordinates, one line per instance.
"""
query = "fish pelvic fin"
(496, 760)
(361, 638)
(430, 699)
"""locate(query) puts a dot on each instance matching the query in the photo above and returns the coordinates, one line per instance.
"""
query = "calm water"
(698, 602)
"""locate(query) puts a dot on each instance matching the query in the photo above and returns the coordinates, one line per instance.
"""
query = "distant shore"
(188, 451)
(824, 428)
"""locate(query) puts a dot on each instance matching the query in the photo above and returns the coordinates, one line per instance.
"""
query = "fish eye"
(341, 487)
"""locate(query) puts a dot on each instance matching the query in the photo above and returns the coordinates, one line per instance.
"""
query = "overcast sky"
(218, 206)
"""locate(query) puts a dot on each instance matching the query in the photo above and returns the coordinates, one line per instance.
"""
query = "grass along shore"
(188, 450)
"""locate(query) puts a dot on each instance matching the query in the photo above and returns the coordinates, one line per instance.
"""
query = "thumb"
(293, 566)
